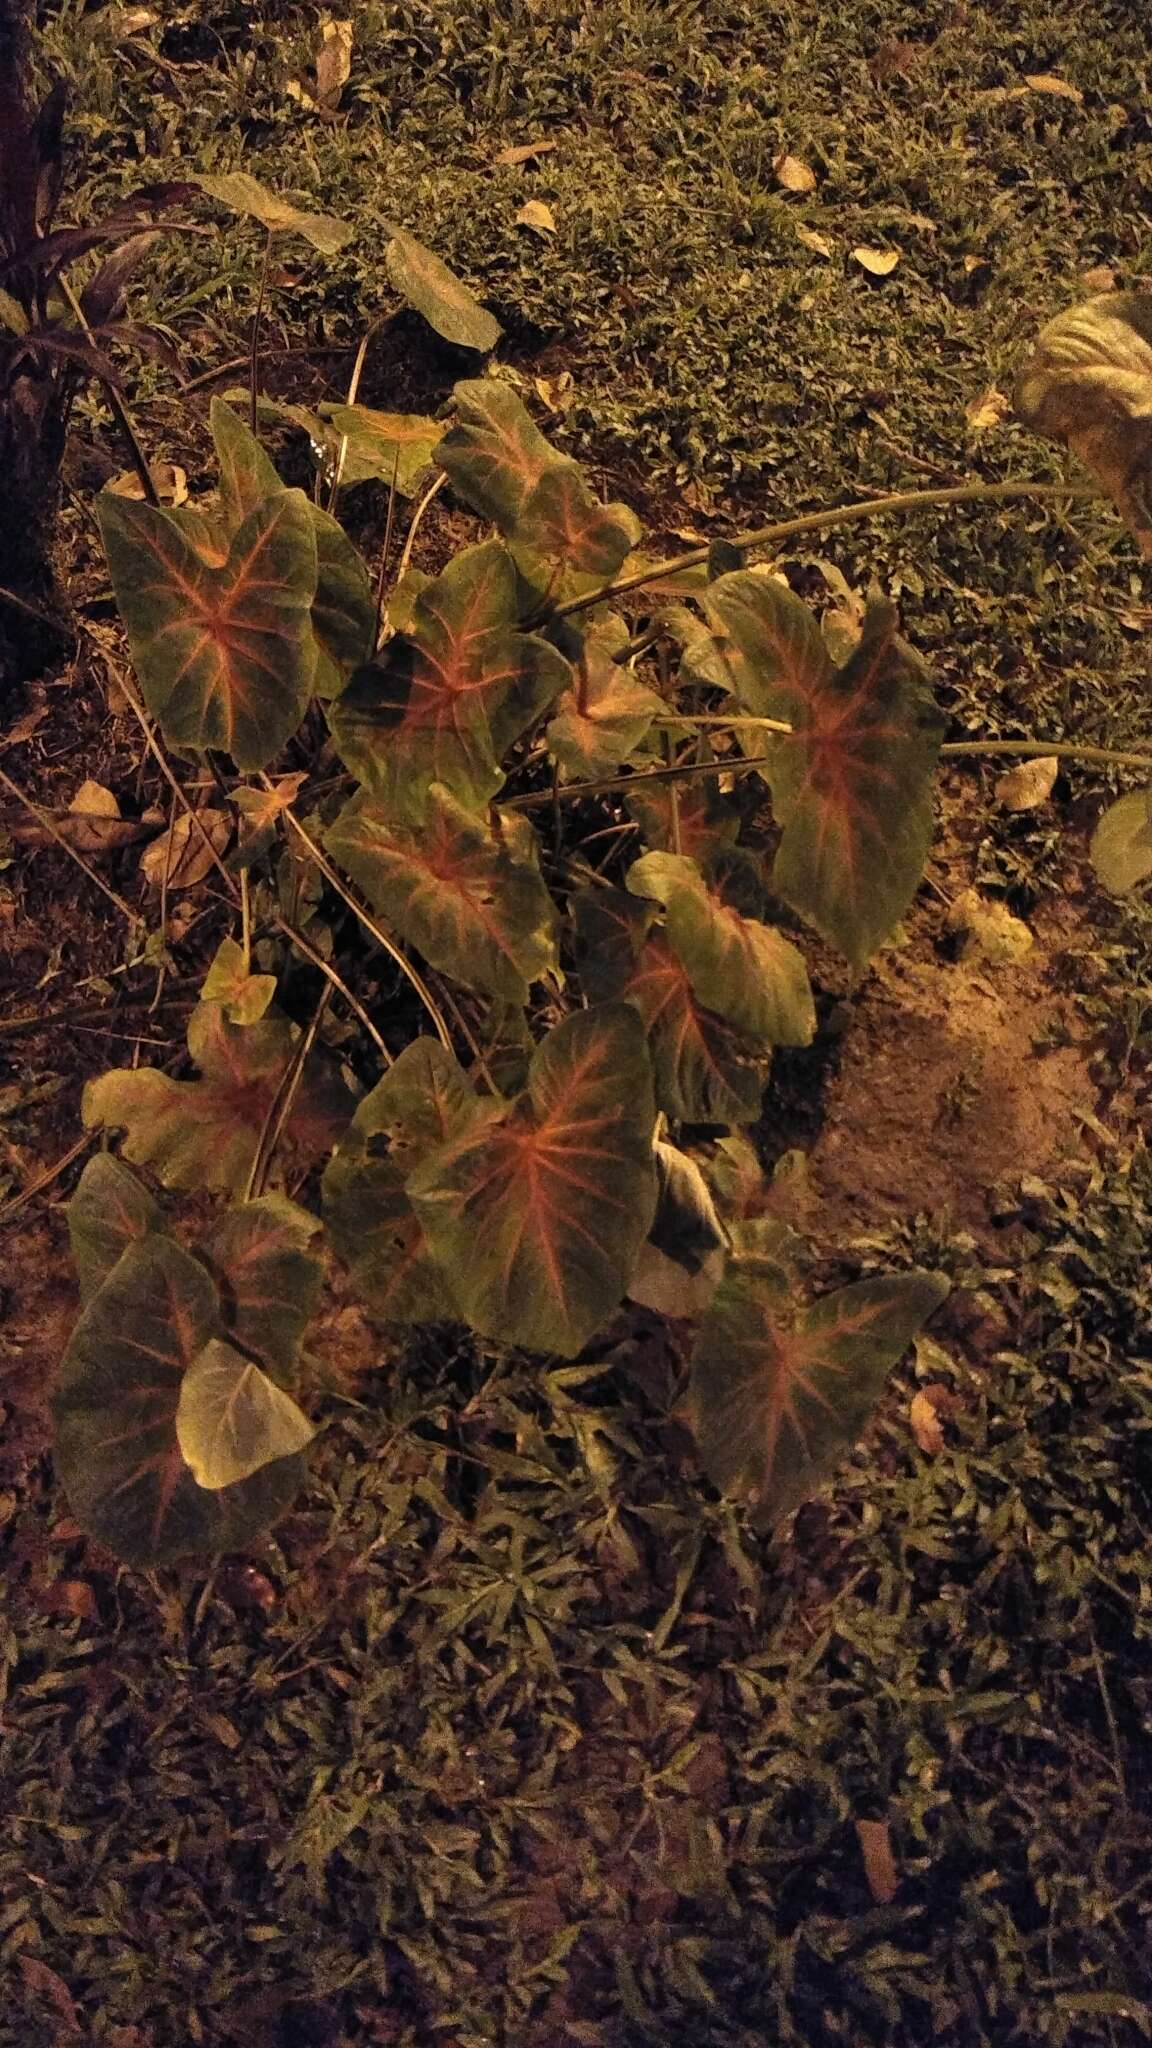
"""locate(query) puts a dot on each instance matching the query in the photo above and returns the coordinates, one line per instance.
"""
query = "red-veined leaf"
(110, 1210)
(750, 973)
(445, 302)
(705, 1070)
(269, 1280)
(852, 786)
(225, 655)
(204, 1133)
(538, 1217)
(562, 520)
(468, 894)
(423, 1100)
(779, 1392)
(495, 455)
(451, 694)
(232, 1420)
(115, 1406)
(247, 473)
(602, 719)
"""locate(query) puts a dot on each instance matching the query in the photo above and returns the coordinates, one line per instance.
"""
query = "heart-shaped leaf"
(110, 1210)
(451, 694)
(467, 894)
(778, 1393)
(244, 194)
(705, 1071)
(344, 606)
(268, 1279)
(437, 293)
(852, 786)
(116, 1447)
(380, 447)
(495, 455)
(606, 714)
(423, 1101)
(750, 973)
(232, 1420)
(203, 1134)
(1089, 385)
(562, 520)
(538, 1217)
(1121, 847)
(225, 655)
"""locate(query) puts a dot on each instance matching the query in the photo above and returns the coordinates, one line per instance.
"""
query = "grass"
(512, 1736)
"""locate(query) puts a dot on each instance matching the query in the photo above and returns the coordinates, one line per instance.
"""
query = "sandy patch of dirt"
(955, 1079)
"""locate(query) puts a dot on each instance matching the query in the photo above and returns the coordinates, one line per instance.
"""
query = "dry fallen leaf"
(819, 244)
(92, 810)
(25, 727)
(333, 64)
(879, 1864)
(794, 174)
(536, 214)
(988, 929)
(170, 483)
(1059, 88)
(522, 152)
(877, 262)
(1028, 784)
(182, 852)
(991, 409)
(557, 393)
(1100, 279)
(925, 1423)
(1089, 384)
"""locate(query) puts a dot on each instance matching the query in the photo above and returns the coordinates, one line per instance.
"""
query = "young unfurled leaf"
(371, 446)
(115, 1406)
(602, 719)
(232, 1420)
(244, 996)
(423, 1101)
(204, 1133)
(110, 1210)
(269, 1279)
(225, 655)
(494, 456)
(1121, 849)
(705, 1071)
(565, 522)
(1089, 385)
(778, 1393)
(449, 696)
(852, 784)
(437, 293)
(538, 1217)
(468, 895)
(749, 973)
(242, 193)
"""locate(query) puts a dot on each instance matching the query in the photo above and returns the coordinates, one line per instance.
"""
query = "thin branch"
(45, 1179)
(571, 792)
(280, 1107)
(326, 968)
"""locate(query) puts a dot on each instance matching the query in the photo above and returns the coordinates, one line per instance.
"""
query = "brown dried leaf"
(819, 244)
(877, 262)
(879, 1863)
(522, 152)
(333, 63)
(990, 409)
(181, 851)
(794, 174)
(926, 1423)
(535, 213)
(1089, 385)
(1058, 88)
(1028, 784)
(170, 483)
(1101, 278)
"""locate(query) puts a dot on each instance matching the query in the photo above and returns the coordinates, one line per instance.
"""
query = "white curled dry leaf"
(1089, 385)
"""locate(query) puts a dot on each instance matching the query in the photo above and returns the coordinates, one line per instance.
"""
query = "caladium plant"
(524, 1175)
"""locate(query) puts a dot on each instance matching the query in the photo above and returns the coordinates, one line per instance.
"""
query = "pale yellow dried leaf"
(990, 409)
(877, 262)
(92, 800)
(1028, 784)
(819, 244)
(1058, 88)
(537, 214)
(1101, 278)
(522, 152)
(925, 1423)
(333, 63)
(794, 174)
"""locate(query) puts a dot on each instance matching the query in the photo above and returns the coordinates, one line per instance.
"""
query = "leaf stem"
(815, 522)
(1109, 757)
(254, 344)
(120, 410)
